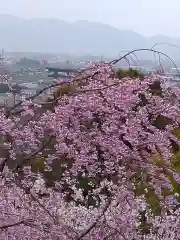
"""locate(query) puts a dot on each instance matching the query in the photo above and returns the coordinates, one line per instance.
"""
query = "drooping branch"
(24, 222)
(146, 50)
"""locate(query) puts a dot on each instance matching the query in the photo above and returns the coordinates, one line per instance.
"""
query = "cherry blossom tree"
(101, 161)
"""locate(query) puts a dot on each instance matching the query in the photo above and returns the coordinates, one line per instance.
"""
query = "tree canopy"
(101, 163)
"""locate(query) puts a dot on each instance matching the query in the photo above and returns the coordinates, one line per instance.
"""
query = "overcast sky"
(148, 17)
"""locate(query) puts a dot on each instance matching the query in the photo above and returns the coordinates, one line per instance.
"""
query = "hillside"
(81, 37)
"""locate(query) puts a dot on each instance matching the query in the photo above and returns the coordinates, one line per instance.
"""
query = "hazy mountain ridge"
(53, 35)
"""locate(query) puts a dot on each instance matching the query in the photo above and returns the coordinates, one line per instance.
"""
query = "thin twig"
(146, 50)
(5, 226)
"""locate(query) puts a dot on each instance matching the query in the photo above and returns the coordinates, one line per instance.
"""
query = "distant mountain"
(80, 37)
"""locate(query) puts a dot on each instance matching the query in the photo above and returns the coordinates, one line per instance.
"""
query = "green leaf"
(161, 122)
(158, 160)
(37, 164)
(176, 132)
(153, 201)
(175, 185)
(176, 162)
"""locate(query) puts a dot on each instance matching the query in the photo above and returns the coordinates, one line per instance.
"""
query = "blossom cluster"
(103, 163)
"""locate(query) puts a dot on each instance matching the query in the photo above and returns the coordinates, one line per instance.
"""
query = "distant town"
(23, 74)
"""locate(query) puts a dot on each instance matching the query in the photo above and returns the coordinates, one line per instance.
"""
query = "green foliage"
(176, 132)
(37, 164)
(153, 201)
(161, 122)
(28, 63)
(175, 185)
(176, 156)
(132, 73)
(60, 91)
(175, 164)
(142, 188)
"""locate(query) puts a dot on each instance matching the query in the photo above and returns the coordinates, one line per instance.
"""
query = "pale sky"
(149, 17)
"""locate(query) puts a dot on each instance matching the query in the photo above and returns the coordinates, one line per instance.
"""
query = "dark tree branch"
(24, 222)
(146, 50)
(12, 225)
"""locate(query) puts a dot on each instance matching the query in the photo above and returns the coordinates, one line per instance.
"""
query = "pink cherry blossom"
(74, 171)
